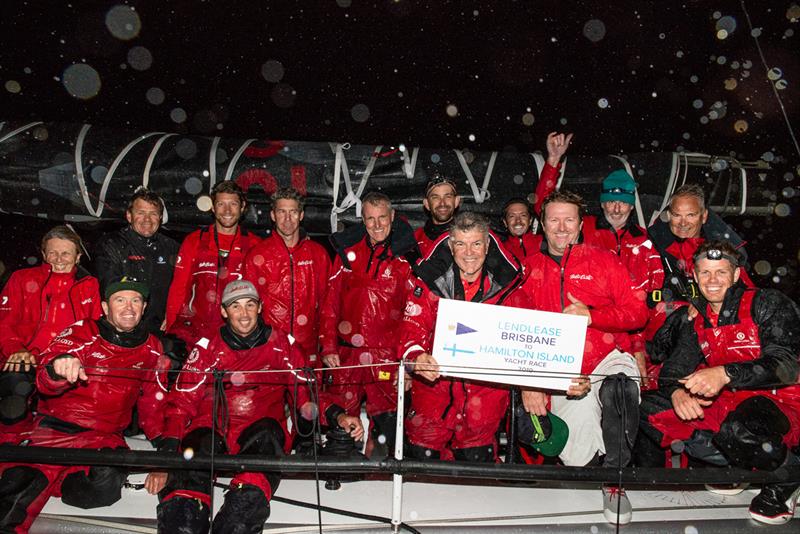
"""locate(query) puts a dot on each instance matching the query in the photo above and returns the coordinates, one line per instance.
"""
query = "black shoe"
(775, 504)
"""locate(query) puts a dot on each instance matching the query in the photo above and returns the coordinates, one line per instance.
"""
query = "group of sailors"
(210, 341)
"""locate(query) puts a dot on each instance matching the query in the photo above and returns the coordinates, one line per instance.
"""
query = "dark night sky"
(625, 76)
(632, 77)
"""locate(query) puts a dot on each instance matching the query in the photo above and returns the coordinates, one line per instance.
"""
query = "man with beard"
(236, 370)
(140, 251)
(453, 418)
(90, 378)
(517, 218)
(729, 393)
(208, 259)
(290, 272)
(363, 310)
(441, 202)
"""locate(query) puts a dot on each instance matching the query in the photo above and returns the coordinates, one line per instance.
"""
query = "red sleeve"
(419, 319)
(11, 306)
(629, 309)
(546, 185)
(97, 310)
(72, 341)
(152, 402)
(186, 396)
(331, 309)
(181, 277)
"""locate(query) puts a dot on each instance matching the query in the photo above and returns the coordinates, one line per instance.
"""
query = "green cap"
(126, 283)
(546, 434)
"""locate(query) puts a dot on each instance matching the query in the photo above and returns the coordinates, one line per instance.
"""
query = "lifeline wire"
(771, 83)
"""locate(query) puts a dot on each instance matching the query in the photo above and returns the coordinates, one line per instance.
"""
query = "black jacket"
(778, 321)
(148, 259)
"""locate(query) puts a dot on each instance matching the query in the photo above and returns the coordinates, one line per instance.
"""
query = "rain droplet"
(186, 148)
(518, 179)
(471, 137)
(178, 115)
(451, 110)
(768, 156)
(155, 96)
(756, 32)
(188, 453)
(781, 84)
(762, 267)
(563, 121)
(140, 58)
(81, 81)
(360, 113)
(123, 22)
(13, 86)
(782, 210)
(283, 95)
(594, 30)
(435, 158)
(351, 255)
(774, 73)
(302, 320)
(98, 174)
(344, 3)
(527, 119)
(272, 71)
(730, 84)
(602, 103)
(204, 203)
(697, 104)
(237, 379)
(741, 126)
(193, 185)
(690, 530)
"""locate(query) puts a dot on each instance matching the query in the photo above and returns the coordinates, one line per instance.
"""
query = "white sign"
(508, 345)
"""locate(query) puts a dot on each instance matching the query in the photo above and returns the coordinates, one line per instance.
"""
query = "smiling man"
(208, 259)
(568, 276)
(90, 378)
(738, 402)
(452, 418)
(441, 202)
(290, 271)
(363, 311)
(231, 362)
(140, 251)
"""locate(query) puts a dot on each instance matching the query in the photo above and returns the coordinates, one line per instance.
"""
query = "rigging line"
(771, 83)
(317, 431)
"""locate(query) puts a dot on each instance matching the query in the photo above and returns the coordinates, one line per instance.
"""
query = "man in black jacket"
(729, 392)
(139, 251)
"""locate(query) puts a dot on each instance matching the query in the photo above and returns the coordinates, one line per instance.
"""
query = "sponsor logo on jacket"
(86, 301)
(134, 257)
(305, 262)
(581, 277)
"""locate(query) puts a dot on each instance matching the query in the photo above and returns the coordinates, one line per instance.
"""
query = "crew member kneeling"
(738, 402)
(89, 379)
(240, 365)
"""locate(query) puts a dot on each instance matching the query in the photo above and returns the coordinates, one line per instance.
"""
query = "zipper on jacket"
(563, 268)
(291, 291)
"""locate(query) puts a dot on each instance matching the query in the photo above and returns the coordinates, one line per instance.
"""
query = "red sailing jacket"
(292, 284)
(367, 292)
(595, 277)
(434, 279)
(201, 274)
(756, 337)
(521, 247)
(36, 304)
(630, 243)
(428, 234)
(252, 388)
(119, 378)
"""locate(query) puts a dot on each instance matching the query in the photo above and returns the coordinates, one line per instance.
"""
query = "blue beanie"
(618, 186)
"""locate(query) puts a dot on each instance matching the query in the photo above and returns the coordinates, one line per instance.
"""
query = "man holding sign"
(601, 409)
(453, 418)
